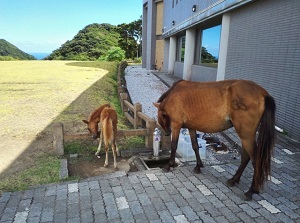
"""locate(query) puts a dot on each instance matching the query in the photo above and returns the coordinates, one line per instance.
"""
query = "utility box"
(185, 149)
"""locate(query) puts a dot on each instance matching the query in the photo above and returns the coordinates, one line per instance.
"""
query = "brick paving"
(154, 196)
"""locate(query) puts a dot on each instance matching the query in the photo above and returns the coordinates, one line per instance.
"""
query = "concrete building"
(259, 41)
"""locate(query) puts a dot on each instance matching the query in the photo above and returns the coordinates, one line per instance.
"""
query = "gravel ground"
(144, 88)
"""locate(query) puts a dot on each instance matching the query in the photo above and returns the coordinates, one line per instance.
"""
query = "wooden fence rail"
(135, 115)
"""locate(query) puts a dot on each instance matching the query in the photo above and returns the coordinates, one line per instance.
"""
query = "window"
(181, 48)
(174, 2)
(208, 49)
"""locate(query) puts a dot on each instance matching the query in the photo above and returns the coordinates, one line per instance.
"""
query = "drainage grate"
(139, 164)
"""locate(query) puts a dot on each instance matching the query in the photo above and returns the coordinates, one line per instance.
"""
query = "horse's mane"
(164, 95)
(97, 112)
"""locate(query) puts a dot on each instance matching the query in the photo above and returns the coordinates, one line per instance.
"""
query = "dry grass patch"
(33, 95)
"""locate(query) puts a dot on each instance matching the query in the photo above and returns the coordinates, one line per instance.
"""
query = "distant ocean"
(39, 56)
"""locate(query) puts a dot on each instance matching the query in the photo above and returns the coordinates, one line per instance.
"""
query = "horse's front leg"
(175, 136)
(195, 146)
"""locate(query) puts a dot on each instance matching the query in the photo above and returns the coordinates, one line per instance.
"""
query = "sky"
(41, 26)
(211, 40)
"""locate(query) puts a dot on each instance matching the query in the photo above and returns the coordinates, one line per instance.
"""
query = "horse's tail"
(265, 143)
(107, 129)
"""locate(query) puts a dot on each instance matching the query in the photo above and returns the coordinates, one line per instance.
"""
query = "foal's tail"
(107, 128)
(265, 143)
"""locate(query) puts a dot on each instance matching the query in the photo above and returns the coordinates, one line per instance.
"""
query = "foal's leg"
(195, 146)
(115, 151)
(175, 136)
(100, 142)
(106, 156)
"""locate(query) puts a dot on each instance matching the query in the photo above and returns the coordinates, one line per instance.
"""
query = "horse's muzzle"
(96, 136)
(168, 132)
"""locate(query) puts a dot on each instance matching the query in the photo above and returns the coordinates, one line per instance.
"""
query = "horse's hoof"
(230, 183)
(116, 168)
(96, 154)
(197, 170)
(247, 196)
(105, 165)
(166, 169)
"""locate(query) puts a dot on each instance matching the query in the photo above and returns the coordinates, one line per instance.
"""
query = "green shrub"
(7, 58)
(137, 60)
(115, 54)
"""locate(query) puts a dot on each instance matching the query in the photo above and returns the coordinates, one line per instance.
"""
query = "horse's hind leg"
(248, 195)
(249, 144)
(195, 146)
(99, 147)
(244, 162)
(115, 151)
(106, 156)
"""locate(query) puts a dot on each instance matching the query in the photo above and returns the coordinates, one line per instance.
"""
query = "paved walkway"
(154, 196)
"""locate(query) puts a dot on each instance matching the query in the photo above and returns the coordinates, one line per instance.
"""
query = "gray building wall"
(199, 73)
(178, 69)
(149, 34)
(166, 53)
(203, 74)
(264, 46)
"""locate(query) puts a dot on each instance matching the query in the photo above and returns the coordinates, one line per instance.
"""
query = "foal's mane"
(164, 95)
(97, 112)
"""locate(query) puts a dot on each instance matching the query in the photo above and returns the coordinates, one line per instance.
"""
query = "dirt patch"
(85, 167)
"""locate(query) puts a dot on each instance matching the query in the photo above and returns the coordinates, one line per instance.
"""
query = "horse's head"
(93, 128)
(163, 119)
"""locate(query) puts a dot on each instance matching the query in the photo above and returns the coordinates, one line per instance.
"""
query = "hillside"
(9, 50)
(90, 43)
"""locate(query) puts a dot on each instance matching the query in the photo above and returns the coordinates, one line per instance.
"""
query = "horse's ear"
(156, 104)
(85, 121)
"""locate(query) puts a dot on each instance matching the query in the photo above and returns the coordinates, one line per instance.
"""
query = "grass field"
(34, 95)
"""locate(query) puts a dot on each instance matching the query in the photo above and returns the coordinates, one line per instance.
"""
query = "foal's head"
(92, 126)
(163, 119)
(93, 121)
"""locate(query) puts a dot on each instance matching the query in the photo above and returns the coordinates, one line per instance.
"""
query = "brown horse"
(108, 119)
(216, 106)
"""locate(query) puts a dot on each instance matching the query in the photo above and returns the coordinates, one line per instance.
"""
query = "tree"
(206, 57)
(95, 40)
(9, 51)
(90, 43)
(130, 38)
